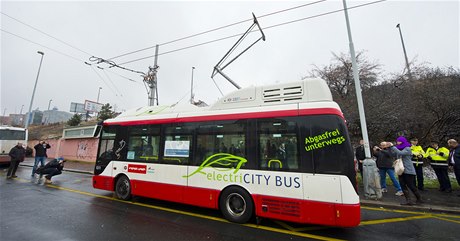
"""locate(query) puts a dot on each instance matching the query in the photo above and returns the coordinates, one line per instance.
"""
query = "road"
(70, 209)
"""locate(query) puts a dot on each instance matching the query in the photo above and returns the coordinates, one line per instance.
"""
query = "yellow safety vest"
(417, 151)
(436, 158)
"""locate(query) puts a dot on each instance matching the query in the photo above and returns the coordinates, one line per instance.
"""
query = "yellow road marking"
(392, 220)
(290, 230)
(277, 230)
(410, 212)
(448, 220)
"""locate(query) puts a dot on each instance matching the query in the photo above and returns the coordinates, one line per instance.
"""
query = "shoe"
(399, 193)
(14, 176)
(384, 190)
(48, 181)
(9, 177)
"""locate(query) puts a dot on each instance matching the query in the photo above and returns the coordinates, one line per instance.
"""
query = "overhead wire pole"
(359, 97)
(409, 74)
(151, 80)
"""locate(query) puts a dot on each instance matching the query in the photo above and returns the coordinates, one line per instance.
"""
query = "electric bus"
(280, 152)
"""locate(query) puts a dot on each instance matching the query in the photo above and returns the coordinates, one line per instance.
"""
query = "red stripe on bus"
(236, 116)
(286, 209)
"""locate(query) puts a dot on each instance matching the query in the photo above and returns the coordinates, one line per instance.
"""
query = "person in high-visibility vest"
(438, 159)
(417, 160)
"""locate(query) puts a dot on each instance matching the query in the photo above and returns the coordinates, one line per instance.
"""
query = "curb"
(65, 169)
(421, 208)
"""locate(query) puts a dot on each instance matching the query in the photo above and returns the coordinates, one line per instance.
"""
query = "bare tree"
(339, 74)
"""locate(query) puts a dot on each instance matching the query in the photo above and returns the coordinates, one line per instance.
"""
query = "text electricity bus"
(280, 152)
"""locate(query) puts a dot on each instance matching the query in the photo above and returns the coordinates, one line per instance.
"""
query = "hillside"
(52, 131)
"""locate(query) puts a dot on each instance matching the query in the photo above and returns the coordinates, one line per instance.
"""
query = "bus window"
(278, 144)
(178, 144)
(106, 144)
(143, 143)
(221, 138)
(329, 143)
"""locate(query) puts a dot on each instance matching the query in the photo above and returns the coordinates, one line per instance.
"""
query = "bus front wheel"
(236, 205)
(123, 188)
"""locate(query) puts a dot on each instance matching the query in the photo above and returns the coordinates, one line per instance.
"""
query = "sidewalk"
(70, 166)
(434, 200)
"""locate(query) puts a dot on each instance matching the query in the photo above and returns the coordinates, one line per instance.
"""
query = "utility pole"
(191, 88)
(359, 97)
(409, 74)
(151, 80)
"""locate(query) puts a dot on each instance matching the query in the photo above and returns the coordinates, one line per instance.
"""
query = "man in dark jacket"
(360, 156)
(40, 154)
(52, 168)
(454, 158)
(385, 164)
(17, 154)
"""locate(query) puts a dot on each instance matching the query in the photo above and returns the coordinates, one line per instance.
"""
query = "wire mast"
(152, 81)
(219, 68)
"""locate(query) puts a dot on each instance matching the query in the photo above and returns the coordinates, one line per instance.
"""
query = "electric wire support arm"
(219, 69)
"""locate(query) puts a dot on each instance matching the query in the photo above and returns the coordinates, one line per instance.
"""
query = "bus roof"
(274, 100)
(12, 128)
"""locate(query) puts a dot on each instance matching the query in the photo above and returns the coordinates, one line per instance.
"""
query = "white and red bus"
(280, 152)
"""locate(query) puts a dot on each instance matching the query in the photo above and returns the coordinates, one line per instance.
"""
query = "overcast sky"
(107, 29)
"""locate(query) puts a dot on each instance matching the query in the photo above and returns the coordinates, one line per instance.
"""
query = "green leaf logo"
(221, 162)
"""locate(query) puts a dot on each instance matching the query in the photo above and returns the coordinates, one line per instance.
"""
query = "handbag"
(399, 167)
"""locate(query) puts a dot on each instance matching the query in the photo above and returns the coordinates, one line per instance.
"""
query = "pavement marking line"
(305, 235)
(286, 226)
(448, 220)
(382, 209)
(393, 220)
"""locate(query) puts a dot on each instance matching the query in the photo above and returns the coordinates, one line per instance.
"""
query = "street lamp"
(191, 88)
(404, 50)
(49, 103)
(29, 115)
(98, 93)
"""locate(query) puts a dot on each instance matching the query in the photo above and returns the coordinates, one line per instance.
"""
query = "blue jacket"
(406, 156)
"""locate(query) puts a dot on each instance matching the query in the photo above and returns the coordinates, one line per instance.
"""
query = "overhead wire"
(61, 41)
(56, 51)
(36, 29)
(265, 28)
(110, 80)
(218, 28)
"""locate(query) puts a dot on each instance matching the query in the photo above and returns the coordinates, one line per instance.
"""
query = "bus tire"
(236, 205)
(123, 188)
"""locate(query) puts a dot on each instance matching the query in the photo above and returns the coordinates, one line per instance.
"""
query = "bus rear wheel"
(123, 188)
(236, 205)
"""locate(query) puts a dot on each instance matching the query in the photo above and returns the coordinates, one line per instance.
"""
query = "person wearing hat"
(52, 168)
(407, 179)
(438, 159)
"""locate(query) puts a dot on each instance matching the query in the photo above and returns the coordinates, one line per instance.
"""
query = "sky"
(71, 32)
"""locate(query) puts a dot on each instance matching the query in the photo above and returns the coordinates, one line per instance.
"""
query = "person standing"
(17, 154)
(454, 158)
(385, 164)
(438, 158)
(407, 179)
(360, 156)
(417, 160)
(40, 155)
